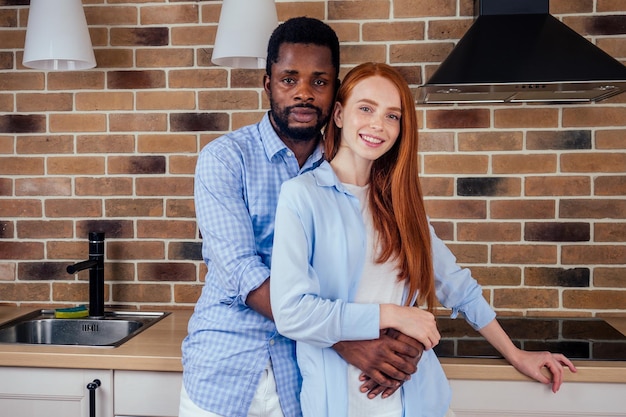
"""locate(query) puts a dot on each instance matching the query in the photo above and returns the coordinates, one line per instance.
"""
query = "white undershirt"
(379, 284)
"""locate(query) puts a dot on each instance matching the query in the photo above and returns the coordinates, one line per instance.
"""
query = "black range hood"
(515, 51)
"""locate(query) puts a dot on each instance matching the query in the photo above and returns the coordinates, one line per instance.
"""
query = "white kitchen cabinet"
(476, 398)
(147, 393)
(36, 392)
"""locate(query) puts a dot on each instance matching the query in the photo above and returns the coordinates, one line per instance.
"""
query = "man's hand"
(386, 362)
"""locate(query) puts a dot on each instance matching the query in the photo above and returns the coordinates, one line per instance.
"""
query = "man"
(235, 363)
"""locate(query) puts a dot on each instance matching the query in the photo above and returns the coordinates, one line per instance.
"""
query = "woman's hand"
(412, 321)
(531, 364)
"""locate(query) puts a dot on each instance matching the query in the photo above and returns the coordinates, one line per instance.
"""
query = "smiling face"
(301, 89)
(369, 121)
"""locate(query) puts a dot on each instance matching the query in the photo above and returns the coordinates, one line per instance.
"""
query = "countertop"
(158, 349)
(155, 349)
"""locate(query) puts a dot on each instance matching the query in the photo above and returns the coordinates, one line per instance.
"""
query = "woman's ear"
(338, 115)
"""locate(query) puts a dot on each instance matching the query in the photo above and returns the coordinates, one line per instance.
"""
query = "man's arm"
(386, 362)
(259, 300)
(225, 223)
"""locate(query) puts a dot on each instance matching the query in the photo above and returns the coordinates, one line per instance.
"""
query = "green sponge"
(71, 312)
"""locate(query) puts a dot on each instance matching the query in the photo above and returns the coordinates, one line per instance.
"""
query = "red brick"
(47, 144)
(166, 229)
(609, 232)
(73, 208)
(457, 119)
(598, 162)
(25, 291)
(130, 293)
(21, 208)
(416, 8)
(103, 186)
(7, 271)
(597, 300)
(163, 58)
(57, 186)
(105, 144)
(182, 164)
(157, 100)
(470, 254)
(101, 101)
(523, 254)
(522, 209)
(528, 117)
(180, 207)
(158, 271)
(21, 250)
(490, 141)
(455, 164)
(176, 13)
(519, 164)
(34, 102)
(521, 297)
(557, 186)
(41, 229)
(592, 209)
(358, 9)
(187, 293)
(593, 255)
(611, 139)
(497, 275)
(11, 165)
(456, 209)
(609, 277)
(489, 232)
(76, 165)
(138, 122)
(173, 186)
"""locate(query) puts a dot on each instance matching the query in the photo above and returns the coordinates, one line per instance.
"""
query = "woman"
(354, 254)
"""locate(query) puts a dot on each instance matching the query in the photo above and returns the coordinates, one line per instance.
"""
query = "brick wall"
(531, 197)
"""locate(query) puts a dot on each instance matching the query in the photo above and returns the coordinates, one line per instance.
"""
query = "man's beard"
(299, 134)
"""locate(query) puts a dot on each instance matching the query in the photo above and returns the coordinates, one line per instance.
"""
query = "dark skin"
(301, 91)
(386, 362)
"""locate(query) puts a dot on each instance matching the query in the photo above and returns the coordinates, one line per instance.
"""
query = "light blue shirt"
(228, 346)
(319, 252)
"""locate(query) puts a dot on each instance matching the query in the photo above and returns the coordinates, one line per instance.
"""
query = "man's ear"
(338, 115)
(266, 83)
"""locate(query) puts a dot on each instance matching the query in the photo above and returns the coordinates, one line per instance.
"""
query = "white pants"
(264, 404)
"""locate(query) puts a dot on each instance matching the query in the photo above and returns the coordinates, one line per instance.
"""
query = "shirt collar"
(325, 177)
(273, 145)
(271, 142)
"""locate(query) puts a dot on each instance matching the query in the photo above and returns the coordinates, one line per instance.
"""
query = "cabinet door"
(147, 393)
(36, 392)
(532, 399)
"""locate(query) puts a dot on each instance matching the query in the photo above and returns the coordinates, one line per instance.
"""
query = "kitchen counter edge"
(158, 349)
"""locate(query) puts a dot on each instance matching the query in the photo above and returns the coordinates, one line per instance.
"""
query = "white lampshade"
(245, 27)
(57, 37)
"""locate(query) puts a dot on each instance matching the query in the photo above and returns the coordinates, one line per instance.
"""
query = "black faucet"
(95, 263)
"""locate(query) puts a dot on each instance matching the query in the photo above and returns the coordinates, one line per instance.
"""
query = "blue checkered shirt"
(229, 345)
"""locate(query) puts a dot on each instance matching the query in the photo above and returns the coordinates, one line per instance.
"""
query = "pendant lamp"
(243, 31)
(57, 37)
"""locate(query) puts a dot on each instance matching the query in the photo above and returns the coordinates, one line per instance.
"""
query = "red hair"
(395, 196)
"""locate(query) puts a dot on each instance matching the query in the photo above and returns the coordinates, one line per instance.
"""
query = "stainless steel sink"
(40, 327)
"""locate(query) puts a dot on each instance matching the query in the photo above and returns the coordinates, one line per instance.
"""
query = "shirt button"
(290, 154)
(272, 342)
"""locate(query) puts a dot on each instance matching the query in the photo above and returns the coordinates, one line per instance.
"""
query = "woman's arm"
(528, 363)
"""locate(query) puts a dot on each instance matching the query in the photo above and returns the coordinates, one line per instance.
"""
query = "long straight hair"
(395, 196)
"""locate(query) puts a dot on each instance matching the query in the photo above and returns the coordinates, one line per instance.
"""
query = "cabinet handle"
(92, 387)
